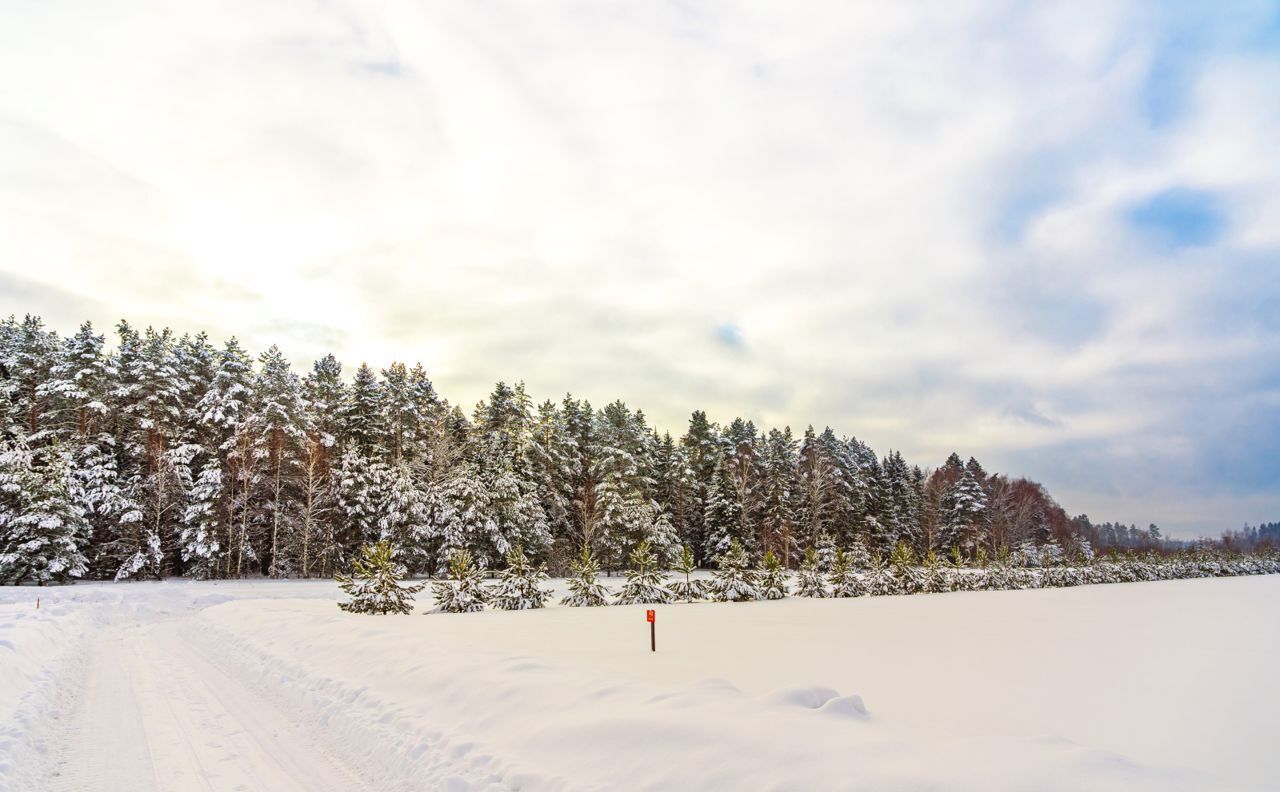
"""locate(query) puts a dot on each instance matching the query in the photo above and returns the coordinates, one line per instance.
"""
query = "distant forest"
(168, 455)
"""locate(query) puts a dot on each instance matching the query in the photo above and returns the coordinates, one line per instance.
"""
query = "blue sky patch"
(1180, 217)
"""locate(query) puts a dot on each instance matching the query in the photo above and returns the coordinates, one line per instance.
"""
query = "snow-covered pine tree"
(150, 398)
(585, 589)
(685, 587)
(935, 579)
(743, 463)
(964, 507)
(701, 443)
(734, 580)
(881, 581)
(34, 353)
(845, 580)
(77, 386)
(42, 526)
(405, 518)
(773, 578)
(374, 584)
(625, 512)
(908, 575)
(826, 551)
(723, 520)
(280, 414)
(780, 491)
(360, 415)
(360, 489)
(811, 581)
(519, 585)
(201, 537)
(645, 581)
(463, 591)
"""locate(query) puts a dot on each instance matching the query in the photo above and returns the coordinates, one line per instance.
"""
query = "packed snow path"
(157, 715)
(257, 685)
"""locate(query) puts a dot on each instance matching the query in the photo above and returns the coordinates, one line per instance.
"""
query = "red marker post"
(653, 630)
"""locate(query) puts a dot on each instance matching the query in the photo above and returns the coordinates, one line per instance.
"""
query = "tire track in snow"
(157, 715)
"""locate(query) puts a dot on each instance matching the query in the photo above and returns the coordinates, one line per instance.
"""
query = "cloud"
(1023, 231)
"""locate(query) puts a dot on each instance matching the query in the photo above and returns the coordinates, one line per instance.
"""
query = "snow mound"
(807, 697)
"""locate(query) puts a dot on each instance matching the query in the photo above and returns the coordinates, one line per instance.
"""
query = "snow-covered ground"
(267, 685)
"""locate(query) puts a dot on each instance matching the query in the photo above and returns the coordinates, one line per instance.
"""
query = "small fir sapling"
(845, 581)
(463, 591)
(520, 584)
(374, 584)
(936, 579)
(810, 581)
(880, 580)
(907, 574)
(585, 590)
(645, 582)
(734, 580)
(684, 587)
(773, 578)
(859, 555)
(826, 549)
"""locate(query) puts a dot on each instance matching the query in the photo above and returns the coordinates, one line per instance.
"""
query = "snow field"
(1165, 685)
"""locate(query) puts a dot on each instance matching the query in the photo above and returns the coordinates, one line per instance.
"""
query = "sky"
(1043, 234)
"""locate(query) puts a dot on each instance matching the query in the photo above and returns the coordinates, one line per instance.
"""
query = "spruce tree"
(811, 581)
(463, 591)
(734, 580)
(519, 585)
(645, 581)
(685, 587)
(585, 590)
(374, 584)
(880, 580)
(773, 578)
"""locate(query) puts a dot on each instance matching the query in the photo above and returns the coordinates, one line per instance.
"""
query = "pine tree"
(520, 584)
(585, 590)
(374, 585)
(773, 578)
(405, 516)
(645, 582)
(734, 581)
(780, 492)
(935, 579)
(811, 581)
(688, 588)
(963, 509)
(845, 582)
(464, 589)
(280, 413)
(701, 444)
(42, 527)
(907, 574)
(723, 521)
(200, 542)
(360, 416)
(880, 580)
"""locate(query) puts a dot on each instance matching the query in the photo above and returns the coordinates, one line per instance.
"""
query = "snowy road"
(158, 715)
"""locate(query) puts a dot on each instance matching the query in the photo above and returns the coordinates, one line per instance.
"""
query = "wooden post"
(653, 630)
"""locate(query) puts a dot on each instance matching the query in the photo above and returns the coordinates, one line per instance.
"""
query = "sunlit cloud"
(1042, 234)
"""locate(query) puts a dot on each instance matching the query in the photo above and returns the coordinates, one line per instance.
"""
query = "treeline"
(166, 455)
(1250, 538)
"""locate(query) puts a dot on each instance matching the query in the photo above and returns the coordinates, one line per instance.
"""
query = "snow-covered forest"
(166, 454)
